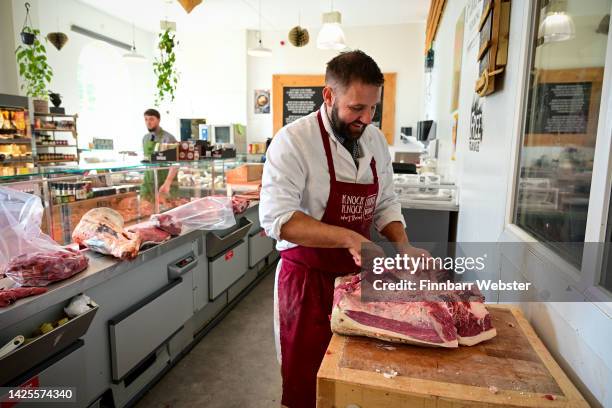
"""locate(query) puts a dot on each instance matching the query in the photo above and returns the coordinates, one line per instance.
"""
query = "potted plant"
(164, 69)
(27, 32)
(34, 68)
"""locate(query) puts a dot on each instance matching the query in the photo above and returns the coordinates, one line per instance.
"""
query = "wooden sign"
(294, 96)
(493, 51)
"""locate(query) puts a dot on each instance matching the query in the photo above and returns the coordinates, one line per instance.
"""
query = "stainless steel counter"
(430, 205)
(101, 269)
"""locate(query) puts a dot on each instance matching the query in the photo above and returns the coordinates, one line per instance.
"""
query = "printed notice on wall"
(560, 108)
(300, 101)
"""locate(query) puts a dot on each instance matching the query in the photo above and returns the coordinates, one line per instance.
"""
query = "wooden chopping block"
(513, 369)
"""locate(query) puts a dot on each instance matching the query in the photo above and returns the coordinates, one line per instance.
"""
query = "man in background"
(156, 135)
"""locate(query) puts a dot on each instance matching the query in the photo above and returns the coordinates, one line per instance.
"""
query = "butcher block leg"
(513, 369)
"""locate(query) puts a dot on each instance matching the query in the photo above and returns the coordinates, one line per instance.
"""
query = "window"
(560, 122)
(104, 96)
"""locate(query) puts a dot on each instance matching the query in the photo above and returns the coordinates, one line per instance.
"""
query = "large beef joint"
(168, 223)
(9, 296)
(101, 230)
(450, 322)
(43, 268)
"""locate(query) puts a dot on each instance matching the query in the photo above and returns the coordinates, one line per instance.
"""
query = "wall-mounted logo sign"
(475, 125)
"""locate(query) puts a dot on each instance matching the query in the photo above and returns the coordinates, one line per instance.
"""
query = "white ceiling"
(276, 14)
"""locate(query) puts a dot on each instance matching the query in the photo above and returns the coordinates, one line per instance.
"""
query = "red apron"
(306, 285)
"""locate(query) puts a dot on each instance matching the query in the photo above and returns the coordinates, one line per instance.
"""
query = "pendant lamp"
(260, 50)
(331, 36)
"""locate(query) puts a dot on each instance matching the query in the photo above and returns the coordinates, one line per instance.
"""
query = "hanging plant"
(164, 69)
(33, 67)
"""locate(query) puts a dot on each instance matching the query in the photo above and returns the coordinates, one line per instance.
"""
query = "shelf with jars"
(56, 139)
(16, 143)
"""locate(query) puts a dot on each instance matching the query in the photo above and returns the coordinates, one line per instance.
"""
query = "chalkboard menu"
(300, 101)
(561, 107)
(295, 96)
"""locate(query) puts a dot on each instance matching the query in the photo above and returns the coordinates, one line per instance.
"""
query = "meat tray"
(219, 241)
(44, 347)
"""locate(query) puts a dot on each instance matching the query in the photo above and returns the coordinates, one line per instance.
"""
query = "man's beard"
(342, 128)
(152, 130)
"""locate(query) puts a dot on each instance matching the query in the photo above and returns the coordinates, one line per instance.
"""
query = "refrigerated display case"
(130, 189)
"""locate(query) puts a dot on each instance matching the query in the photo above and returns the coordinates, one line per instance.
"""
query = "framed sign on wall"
(294, 96)
(564, 107)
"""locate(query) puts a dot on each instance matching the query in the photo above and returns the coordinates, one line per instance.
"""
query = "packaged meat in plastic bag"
(210, 213)
(27, 255)
(168, 223)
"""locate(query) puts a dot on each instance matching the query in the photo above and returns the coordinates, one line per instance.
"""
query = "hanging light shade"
(557, 26)
(134, 56)
(331, 36)
(189, 5)
(260, 50)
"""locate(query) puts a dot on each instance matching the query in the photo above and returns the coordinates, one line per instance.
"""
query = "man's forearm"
(395, 232)
(171, 175)
(304, 230)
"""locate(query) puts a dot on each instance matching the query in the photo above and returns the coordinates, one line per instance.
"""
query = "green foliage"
(164, 69)
(33, 67)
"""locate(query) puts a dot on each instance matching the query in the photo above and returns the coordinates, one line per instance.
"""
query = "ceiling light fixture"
(557, 25)
(260, 50)
(132, 55)
(331, 36)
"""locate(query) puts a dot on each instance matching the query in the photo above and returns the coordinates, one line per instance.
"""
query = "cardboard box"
(245, 173)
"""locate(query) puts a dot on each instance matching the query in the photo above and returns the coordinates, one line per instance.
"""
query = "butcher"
(327, 179)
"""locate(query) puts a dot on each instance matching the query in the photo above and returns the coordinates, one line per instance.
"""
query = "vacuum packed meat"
(168, 223)
(101, 230)
(9, 296)
(150, 234)
(457, 318)
(43, 268)
(239, 205)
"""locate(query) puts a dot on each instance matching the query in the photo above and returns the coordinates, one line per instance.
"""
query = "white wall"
(396, 48)
(51, 16)
(213, 77)
(8, 72)
(577, 334)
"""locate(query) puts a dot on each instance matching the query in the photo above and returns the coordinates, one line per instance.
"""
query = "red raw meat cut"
(43, 268)
(150, 234)
(101, 230)
(239, 205)
(167, 223)
(9, 296)
(458, 318)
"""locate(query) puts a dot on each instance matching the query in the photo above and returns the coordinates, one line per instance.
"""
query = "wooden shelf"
(57, 161)
(89, 200)
(54, 130)
(17, 161)
(16, 141)
(54, 145)
(54, 115)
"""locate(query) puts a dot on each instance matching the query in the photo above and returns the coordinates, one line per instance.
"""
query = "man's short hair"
(152, 112)
(353, 66)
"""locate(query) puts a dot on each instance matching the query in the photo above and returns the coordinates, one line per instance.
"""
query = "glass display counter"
(135, 190)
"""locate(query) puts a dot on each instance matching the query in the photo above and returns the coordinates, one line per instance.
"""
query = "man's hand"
(164, 189)
(354, 245)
